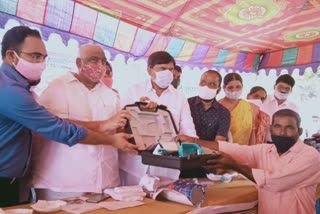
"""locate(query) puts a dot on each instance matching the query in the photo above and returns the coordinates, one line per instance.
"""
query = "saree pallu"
(262, 123)
(241, 123)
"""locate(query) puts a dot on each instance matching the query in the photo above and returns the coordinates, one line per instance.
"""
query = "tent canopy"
(230, 34)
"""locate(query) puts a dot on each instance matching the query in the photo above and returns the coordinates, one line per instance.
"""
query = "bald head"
(89, 50)
(91, 54)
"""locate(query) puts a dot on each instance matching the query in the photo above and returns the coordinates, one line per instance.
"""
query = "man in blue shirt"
(211, 119)
(23, 53)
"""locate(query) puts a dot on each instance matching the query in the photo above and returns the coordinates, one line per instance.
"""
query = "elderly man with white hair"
(59, 171)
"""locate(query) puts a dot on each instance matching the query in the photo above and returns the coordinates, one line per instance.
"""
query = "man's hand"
(121, 142)
(118, 121)
(185, 139)
(150, 104)
(317, 136)
(223, 161)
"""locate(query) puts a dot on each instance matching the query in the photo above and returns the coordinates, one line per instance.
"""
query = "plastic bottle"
(227, 178)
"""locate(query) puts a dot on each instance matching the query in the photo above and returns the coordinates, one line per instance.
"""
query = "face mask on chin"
(257, 102)
(206, 93)
(31, 71)
(93, 72)
(163, 78)
(280, 96)
(282, 143)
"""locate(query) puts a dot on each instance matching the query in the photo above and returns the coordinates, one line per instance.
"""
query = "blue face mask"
(282, 143)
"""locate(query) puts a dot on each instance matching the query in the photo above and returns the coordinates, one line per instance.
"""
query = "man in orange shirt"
(286, 170)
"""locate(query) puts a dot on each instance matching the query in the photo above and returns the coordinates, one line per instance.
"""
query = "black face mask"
(175, 83)
(282, 143)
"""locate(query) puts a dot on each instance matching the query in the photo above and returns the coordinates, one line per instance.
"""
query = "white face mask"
(207, 93)
(233, 95)
(163, 78)
(257, 102)
(280, 96)
(31, 71)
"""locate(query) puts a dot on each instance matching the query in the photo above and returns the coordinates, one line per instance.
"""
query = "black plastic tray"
(183, 163)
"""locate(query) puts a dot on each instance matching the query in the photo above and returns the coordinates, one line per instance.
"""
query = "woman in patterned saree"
(256, 96)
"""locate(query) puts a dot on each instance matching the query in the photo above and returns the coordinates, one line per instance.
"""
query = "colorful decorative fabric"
(302, 57)
(230, 34)
(261, 123)
(194, 192)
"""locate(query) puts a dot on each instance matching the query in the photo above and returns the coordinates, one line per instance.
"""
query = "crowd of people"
(70, 140)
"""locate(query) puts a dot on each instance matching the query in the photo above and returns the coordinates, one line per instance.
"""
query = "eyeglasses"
(35, 55)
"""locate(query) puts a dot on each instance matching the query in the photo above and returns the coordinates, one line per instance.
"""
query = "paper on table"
(125, 189)
(17, 211)
(125, 196)
(44, 206)
(116, 205)
(150, 183)
(78, 206)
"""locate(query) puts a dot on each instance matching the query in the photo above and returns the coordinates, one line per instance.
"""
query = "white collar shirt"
(80, 168)
(270, 105)
(131, 167)
(176, 102)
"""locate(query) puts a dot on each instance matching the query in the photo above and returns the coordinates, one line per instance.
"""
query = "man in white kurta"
(59, 171)
(279, 100)
(157, 89)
